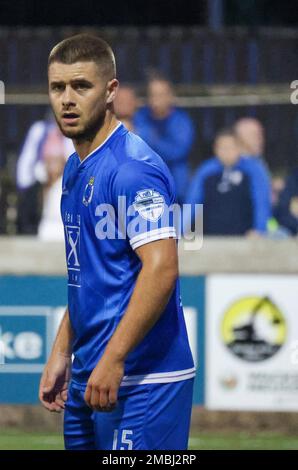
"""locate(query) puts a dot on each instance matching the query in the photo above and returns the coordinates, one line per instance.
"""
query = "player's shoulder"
(133, 159)
(132, 151)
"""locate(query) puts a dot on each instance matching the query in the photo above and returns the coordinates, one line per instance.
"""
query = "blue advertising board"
(29, 307)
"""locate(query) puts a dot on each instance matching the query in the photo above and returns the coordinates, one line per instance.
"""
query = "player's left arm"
(151, 294)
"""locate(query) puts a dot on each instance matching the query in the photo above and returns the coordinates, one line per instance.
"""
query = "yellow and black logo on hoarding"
(253, 328)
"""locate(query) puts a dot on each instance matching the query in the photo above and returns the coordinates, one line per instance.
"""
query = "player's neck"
(84, 148)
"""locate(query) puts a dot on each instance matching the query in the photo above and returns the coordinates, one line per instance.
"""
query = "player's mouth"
(70, 118)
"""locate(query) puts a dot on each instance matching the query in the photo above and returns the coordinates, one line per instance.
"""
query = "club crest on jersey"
(149, 204)
(88, 193)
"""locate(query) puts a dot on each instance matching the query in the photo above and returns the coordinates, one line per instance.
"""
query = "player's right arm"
(56, 375)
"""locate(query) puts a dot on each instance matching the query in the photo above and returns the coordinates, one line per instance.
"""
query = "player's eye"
(57, 87)
(81, 86)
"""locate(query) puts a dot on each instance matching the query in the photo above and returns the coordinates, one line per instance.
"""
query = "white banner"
(252, 342)
(191, 318)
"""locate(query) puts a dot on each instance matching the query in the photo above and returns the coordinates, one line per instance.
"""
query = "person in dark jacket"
(286, 212)
(168, 130)
(226, 186)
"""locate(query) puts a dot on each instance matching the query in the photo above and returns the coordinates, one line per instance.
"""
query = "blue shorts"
(147, 417)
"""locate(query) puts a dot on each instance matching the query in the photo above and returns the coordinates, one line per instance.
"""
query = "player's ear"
(112, 88)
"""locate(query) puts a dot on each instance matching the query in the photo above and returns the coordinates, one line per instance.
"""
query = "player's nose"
(67, 98)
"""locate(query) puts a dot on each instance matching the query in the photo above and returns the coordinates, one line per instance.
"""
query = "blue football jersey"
(113, 202)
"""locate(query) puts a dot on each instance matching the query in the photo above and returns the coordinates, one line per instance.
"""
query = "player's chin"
(71, 132)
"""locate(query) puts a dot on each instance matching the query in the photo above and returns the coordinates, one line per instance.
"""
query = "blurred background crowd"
(214, 103)
(233, 182)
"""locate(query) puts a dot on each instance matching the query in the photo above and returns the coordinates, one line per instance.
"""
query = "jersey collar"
(100, 147)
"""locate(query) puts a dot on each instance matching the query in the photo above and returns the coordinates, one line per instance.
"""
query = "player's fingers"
(48, 385)
(45, 397)
(64, 395)
(113, 397)
(104, 398)
(95, 399)
(59, 401)
(54, 408)
(41, 395)
(87, 395)
(49, 397)
(41, 388)
(52, 404)
(48, 403)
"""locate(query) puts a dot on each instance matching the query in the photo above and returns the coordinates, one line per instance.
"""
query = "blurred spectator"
(277, 186)
(251, 136)
(42, 139)
(286, 212)
(126, 104)
(225, 184)
(167, 129)
(50, 226)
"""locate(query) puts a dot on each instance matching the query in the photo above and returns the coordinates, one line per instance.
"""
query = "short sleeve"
(144, 198)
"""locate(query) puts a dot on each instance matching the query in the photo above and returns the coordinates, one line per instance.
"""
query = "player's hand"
(54, 382)
(102, 388)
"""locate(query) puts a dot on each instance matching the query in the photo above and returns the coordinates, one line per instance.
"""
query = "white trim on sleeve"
(153, 235)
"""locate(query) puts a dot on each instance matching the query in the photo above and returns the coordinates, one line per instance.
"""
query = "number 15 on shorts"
(121, 438)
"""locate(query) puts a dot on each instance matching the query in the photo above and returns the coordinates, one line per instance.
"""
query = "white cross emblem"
(73, 237)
